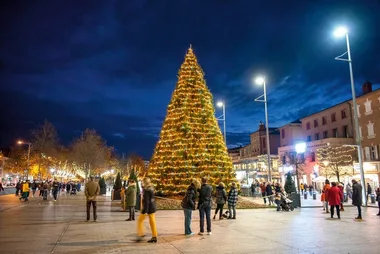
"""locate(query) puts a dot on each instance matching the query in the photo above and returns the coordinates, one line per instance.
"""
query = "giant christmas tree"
(191, 144)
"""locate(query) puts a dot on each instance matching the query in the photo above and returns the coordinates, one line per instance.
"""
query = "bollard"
(373, 199)
(305, 195)
(314, 195)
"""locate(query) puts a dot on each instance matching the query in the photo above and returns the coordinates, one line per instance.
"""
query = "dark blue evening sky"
(112, 65)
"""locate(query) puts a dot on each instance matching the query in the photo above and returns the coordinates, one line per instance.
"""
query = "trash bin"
(296, 198)
(314, 195)
(305, 195)
(373, 201)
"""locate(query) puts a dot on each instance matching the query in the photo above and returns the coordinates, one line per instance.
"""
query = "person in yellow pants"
(148, 209)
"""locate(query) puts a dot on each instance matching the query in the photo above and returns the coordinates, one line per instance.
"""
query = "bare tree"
(135, 163)
(44, 143)
(336, 160)
(90, 152)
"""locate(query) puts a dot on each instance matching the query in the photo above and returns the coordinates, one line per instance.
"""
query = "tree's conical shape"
(191, 144)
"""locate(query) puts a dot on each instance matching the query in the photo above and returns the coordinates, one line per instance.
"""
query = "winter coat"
(269, 190)
(130, 195)
(325, 191)
(25, 187)
(357, 199)
(149, 201)
(221, 195)
(188, 202)
(34, 185)
(340, 187)
(91, 190)
(335, 196)
(205, 196)
(232, 197)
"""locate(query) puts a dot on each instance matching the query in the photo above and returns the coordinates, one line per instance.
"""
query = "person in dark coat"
(204, 206)
(148, 209)
(269, 192)
(335, 197)
(357, 199)
(188, 205)
(221, 198)
(378, 199)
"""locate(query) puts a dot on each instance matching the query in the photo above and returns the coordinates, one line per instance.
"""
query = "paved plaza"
(59, 227)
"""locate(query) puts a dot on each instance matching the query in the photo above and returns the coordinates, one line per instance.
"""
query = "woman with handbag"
(148, 209)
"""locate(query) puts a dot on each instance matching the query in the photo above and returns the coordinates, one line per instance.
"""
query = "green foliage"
(134, 177)
(102, 183)
(118, 183)
(289, 184)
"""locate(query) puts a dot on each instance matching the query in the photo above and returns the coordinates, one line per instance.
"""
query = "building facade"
(368, 106)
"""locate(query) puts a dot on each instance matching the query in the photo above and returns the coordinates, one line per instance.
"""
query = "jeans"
(202, 212)
(93, 209)
(327, 206)
(278, 202)
(219, 207)
(359, 211)
(55, 192)
(187, 213)
(232, 210)
(131, 210)
(263, 194)
(33, 191)
(332, 210)
(152, 223)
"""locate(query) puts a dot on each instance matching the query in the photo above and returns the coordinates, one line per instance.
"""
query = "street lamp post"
(342, 31)
(29, 145)
(261, 81)
(223, 118)
(300, 149)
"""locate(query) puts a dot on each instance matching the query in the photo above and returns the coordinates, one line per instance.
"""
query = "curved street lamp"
(221, 104)
(20, 142)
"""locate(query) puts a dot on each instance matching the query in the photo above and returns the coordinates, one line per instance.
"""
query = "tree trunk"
(337, 175)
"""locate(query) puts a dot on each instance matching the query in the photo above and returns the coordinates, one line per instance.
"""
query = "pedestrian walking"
(204, 206)
(340, 187)
(302, 187)
(188, 205)
(269, 192)
(55, 186)
(25, 191)
(263, 189)
(369, 191)
(349, 190)
(325, 196)
(18, 187)
(221, 198)
(92, 190)
(357, 197)
(232, 200)
(334, 198)
(1, 187)
(378, 199)
(130, 199)
(148, 209)
(34, 187)
(253, 187)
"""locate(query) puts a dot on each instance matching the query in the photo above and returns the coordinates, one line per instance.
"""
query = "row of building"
(333, 127)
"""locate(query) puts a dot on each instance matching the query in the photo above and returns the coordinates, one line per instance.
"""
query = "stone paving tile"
(59, 227)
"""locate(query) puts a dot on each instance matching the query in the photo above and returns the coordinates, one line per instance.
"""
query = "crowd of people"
(46, 188)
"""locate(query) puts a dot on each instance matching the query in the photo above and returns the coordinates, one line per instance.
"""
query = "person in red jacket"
(340, 187)
(334, 198)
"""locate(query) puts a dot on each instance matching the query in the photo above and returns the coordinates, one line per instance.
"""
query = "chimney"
(261, 126)
(367, 87)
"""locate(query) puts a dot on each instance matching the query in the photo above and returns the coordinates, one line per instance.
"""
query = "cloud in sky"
(112, 65)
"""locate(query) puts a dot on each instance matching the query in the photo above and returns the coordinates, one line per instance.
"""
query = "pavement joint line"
(61, 236)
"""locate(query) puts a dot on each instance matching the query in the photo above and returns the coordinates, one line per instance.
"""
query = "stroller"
(286, 204)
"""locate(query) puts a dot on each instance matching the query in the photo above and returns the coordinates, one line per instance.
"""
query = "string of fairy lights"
(337, 158)
(191, 144)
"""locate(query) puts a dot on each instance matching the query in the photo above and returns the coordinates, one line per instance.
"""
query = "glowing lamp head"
(20, 142)
(326, 163)
(340, 31)
(259, 80)
(300, 147)
(220, 104)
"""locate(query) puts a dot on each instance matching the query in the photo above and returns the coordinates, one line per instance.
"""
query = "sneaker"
(96, 220)
(87, 220)
(209, 233)
(358, 218)
(201, 233)
(191, 234)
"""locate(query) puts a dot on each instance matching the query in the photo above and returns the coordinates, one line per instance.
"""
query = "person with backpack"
(221, 198)
(232, 200)
(188, 205)
(204, 206)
